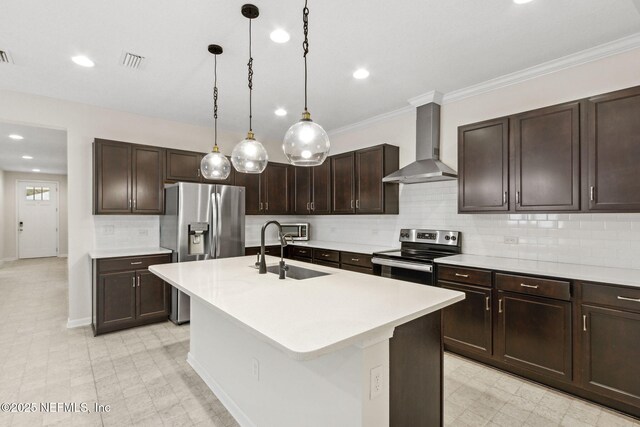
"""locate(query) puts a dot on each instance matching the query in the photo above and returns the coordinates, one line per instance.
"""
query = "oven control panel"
(438, 237)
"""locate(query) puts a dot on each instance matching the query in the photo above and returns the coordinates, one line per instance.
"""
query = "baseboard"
(223, 397)
(9, 259)
(77, 323)
(63, 255)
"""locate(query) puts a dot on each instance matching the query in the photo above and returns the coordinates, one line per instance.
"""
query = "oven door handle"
(403, 264)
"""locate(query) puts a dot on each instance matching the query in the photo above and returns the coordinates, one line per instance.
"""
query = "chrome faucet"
(283, 242)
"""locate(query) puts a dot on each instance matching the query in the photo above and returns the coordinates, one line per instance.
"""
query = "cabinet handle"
(462, 275)
(260, 206)
(134, 203)
(500, 305)
(308, 208)
(138, 281)
(355, 259)
(592, 193)
(325, 255)
(629, 299)
(136, 263)
(504, 198)
(313, 206)
(584, 322)
(486, 303)
(266, 206)
(529, 286)
(517, 197)
(129, 203)
(303, 252)
(357, 204)
(198, 172)
(351, 204)
(133, 282)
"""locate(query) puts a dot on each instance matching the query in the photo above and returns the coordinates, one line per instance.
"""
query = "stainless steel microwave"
(299, 231)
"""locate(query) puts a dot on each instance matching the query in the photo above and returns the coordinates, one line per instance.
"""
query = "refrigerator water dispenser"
(197, 233)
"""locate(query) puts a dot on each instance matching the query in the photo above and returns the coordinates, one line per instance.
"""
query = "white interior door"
(37, 219)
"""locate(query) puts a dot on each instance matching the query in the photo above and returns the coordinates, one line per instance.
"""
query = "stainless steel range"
(413, 262)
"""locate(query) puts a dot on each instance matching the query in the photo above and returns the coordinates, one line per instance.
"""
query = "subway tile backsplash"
(126, 231)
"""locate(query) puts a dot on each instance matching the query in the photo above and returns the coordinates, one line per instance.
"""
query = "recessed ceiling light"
(27, 157)
(16, 137)
(35, 170)
(279, 36)
(83, 61)
(360, 74)
(522, 1)
(281, 112)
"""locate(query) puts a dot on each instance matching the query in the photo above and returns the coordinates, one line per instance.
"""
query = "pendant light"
(306, 143)
(249, 155)
(215, 165)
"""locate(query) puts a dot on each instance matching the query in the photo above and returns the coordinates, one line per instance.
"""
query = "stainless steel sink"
(297, 273)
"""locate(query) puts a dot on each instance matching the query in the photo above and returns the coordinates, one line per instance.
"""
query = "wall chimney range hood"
(427, 167)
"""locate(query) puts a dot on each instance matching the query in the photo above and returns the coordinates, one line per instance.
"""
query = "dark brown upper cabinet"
(372, 195)
(483, 166)
(614, 151)
(128, 178)
(546, 147)
(312, 189)
(357, 185)
(183, 166)
(268, 193)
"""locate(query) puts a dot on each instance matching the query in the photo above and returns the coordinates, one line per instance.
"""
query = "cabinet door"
(535, 334)
(321, 188)
(547, 158)
(117, 300)
(343, 183)
(610, 344)
(302, 190)
(369, 186)
(483, 166)
(614, 151)
(467, 324)
(148, 183)
(112, 177)
(152, 296)
(183, 166)
(251, 182)
(230, 179)
(277, 189)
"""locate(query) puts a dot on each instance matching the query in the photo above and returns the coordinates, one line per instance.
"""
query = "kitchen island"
(342, 349)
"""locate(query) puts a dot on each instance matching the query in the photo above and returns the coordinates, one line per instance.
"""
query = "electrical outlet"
(255, 369)
(109, 230)
(511, 240)
(376, 382)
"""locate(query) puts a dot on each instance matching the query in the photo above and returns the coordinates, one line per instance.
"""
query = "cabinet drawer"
(300, 252)
(557, 289)
(326, 263)
(465, 275)
(357, 269)
(358, 260)
(614, 296)
(131, 263)
(326, 255)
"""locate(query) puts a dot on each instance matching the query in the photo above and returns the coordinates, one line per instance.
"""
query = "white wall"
(2, 218)
(9, 210)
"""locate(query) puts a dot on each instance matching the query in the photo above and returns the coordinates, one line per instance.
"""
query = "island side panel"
(332, 389)
(416, 373)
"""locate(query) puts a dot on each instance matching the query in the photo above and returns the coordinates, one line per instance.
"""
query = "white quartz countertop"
(305, 318)
(336, 246)
(612, 275)
(115, 253)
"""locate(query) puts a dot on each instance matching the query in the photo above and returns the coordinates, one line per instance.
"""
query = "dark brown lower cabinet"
(535, 333)
(610, 348)
(326, 263)
(126, 294)
(467, 324)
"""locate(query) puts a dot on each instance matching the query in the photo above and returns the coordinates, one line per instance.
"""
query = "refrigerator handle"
(213, 227)
(218, 224)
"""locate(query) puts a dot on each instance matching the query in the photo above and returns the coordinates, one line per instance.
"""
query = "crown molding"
(592, 54)
(371, 120)
(427, 98)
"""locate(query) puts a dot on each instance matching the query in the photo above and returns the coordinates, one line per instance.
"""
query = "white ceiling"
(409, 47)
(48, 147)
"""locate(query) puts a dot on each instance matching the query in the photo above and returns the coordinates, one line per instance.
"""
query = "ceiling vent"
(131, 60)
(5, 57)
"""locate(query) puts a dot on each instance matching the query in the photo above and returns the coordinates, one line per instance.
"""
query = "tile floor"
(143, 375)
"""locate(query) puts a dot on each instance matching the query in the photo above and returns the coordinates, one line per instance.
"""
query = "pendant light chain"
(250, 78)
(305, 47)
(215, 101)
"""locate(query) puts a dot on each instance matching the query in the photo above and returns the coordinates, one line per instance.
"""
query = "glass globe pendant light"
(306, 143)
(249, 155)
(215, 165)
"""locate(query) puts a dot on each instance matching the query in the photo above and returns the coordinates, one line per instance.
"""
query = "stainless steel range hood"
(427, 167)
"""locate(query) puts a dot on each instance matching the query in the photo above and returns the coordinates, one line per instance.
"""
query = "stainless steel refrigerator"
(201, 221)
